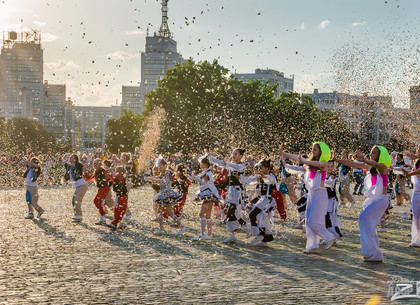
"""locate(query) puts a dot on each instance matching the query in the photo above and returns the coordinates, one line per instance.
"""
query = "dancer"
(332, 223)
(121, 200)
(33, 170)
(301, 203)
(344, 187)
(74, 173)
(181, 185)
(376, 203)
(102, 182)
(233, 200)
(415, 200)
(166, 198)
(317, 202)
(208, 195)
(260, 213)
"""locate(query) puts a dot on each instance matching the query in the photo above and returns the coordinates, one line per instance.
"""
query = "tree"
(124, 133)
(19, 134)
(207, 108)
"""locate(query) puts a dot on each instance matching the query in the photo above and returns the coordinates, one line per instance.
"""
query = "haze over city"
(94, 46)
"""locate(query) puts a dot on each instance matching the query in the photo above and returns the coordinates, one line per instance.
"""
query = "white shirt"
(29, 181)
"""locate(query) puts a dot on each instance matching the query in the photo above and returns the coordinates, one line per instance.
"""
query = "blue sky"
(370, 44)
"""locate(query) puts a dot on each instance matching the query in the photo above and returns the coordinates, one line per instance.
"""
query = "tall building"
(86, 125)
(273, 77)
(159, 56)
(373, 118)
(131, 99)
(53, 111)
(21, 75)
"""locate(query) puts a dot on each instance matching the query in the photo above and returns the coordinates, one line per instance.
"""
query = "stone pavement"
(52, 261)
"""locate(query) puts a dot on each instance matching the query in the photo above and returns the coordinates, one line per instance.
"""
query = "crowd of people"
(244, 192)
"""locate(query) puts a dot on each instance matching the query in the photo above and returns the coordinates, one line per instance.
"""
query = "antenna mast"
(164, 28)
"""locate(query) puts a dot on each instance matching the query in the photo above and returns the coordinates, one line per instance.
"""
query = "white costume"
(415, 205)
(374, 208)
(234, 195)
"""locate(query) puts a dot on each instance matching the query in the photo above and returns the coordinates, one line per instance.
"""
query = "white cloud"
(302, 26)
(48, 37)
(40, 23)
(324, 24)
(137, 32)
(121, 55)
(354, 24)
(61, 65)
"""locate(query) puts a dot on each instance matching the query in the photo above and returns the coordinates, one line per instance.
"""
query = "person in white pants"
(415, 199)
(376, 203)
(317, 202)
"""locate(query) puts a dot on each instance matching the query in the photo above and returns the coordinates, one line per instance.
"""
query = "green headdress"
(325, 152)
(384, 156)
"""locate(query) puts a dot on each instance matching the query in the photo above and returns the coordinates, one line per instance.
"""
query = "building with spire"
(160, 55)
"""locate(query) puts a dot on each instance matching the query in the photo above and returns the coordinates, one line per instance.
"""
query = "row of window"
(23, 78)
(10, 56)
(132, 94)
(53, 112)
(23, 68)
(154, 71)
(160, 61)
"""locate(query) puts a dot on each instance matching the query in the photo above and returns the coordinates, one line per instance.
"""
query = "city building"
(86, 125)
(21, 75)
(273, 77)
(131, 99)
(159, 56)
(373, 118)
(53, 109)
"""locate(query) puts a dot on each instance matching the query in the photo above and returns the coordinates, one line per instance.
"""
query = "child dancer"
(301, 203)
(415, 200)
(332, 223)
(344, 187)
(74, 173)
(260, 214)
(376, 203)
(121, 200)
(166, 197)
(33, 170)
(181, 185)
(208, 195)
(234, 194)
(317, 202)
(102, 182)
(221, 182)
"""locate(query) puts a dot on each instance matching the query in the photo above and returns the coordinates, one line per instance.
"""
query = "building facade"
(373, 118)
(131, 99)
(21, 76)
(273, 77)
(86, 125)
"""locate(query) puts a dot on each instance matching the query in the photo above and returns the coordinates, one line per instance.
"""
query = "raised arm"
(287, 155)
(379, 166)
(348, 162)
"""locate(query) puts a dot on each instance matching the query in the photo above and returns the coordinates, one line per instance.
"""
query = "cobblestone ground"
(51, 260)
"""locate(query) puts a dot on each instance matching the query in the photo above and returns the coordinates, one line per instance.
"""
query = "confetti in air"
(151, 138)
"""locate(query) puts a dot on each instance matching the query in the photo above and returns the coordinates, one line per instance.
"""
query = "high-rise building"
(273, 77)
(159, 56)
(21, 75)
(86, 125)
(53, 111)
(131, 99)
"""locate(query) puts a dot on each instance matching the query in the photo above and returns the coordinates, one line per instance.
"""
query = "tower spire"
(164, 28)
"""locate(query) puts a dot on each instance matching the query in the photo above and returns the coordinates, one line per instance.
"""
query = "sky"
(357, 46)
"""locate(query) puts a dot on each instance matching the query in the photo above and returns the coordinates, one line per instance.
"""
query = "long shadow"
(114, 239)
(50, 230)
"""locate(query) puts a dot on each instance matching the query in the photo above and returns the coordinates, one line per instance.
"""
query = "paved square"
(51, 260)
